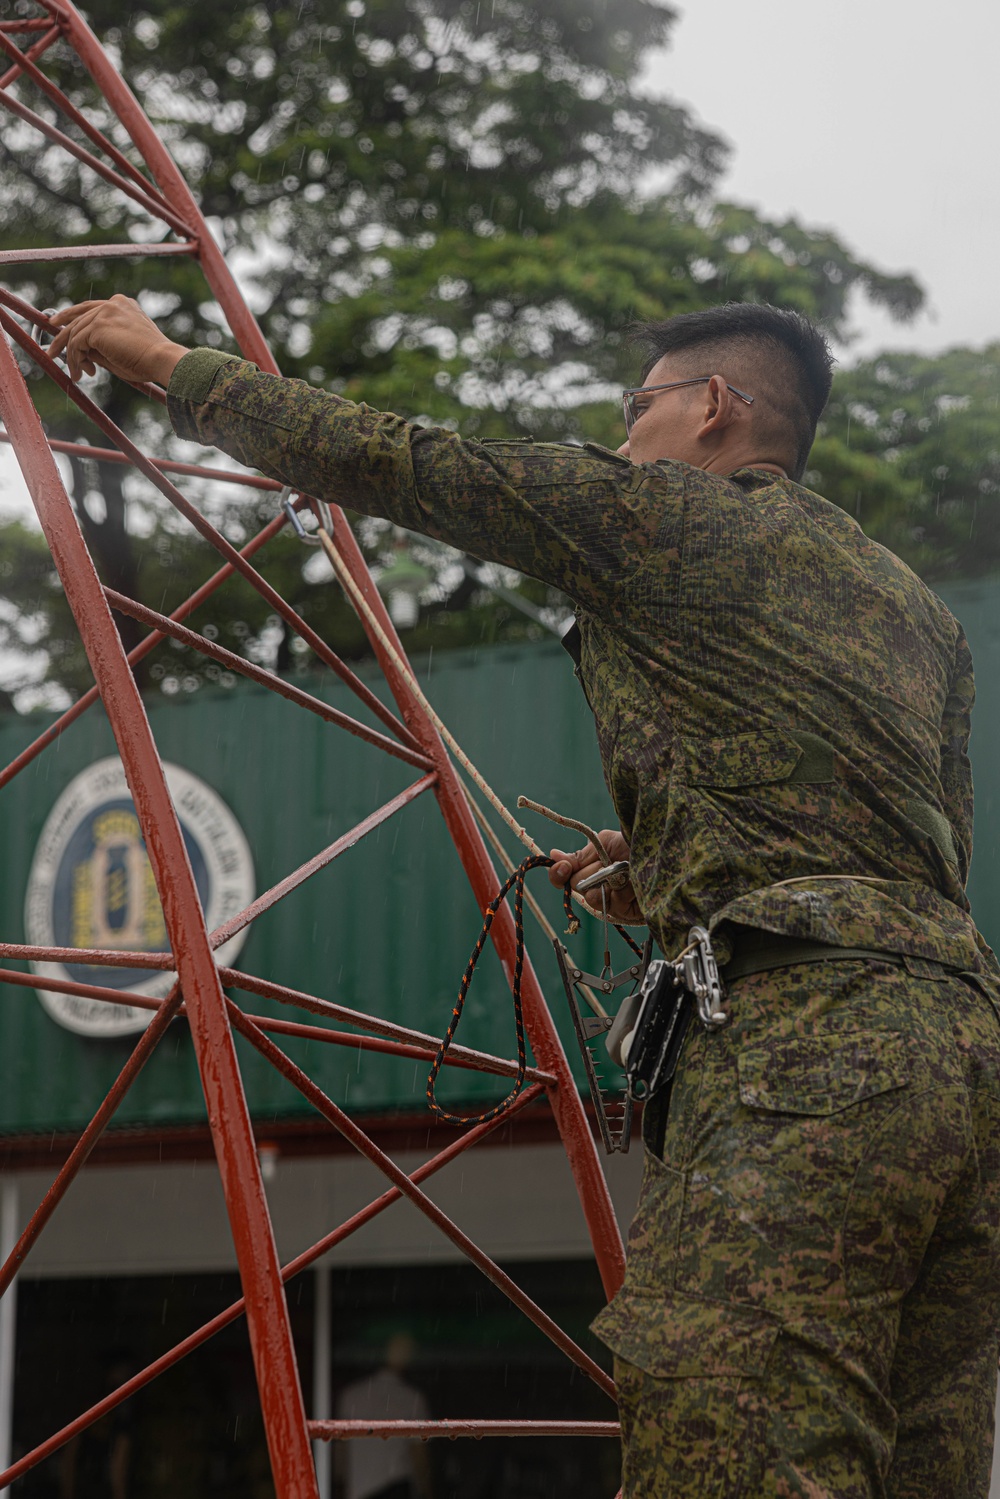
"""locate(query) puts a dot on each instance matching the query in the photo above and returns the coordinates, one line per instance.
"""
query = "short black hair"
(782, 357)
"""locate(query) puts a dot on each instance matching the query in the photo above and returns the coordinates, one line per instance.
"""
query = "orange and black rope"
(515, 882)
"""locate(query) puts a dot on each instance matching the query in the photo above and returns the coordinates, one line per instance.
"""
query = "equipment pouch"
(649, 1052)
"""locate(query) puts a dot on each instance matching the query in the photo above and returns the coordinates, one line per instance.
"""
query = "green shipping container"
(388, 927)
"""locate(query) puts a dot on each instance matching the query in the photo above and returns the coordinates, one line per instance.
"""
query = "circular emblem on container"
(91, 885)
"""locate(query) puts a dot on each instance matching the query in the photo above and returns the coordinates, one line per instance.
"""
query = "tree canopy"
(441, 207)
(910, 445)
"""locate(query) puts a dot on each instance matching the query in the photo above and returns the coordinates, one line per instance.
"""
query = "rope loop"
(515, 882)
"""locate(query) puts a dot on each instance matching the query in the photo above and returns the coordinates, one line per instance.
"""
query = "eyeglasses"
(628, 396)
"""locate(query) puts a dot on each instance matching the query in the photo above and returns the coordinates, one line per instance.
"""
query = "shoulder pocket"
(760, 758)
(821, 1075)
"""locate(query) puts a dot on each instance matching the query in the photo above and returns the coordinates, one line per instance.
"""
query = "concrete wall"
(516, 1203)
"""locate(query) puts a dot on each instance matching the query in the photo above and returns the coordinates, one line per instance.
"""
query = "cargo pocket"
(692, 1394)
(820, 1075)
(768, 1187)
(680, 1337)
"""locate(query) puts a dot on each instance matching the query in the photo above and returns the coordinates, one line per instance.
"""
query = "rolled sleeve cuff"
(190, 384)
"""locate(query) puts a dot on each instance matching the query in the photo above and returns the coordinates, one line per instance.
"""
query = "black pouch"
(650, 1051)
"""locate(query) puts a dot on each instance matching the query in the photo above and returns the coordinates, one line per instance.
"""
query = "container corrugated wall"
(388, 928)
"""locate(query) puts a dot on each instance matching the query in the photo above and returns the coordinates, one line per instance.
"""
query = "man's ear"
(719, 410)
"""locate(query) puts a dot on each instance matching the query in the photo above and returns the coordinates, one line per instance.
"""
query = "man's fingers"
(567, 865)
(73, 342)
(69, 314)
(60, 340)
(115, 335)
(70, 321)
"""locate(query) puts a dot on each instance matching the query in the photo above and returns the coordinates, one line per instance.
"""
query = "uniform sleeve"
(956, 772)
(579, 519)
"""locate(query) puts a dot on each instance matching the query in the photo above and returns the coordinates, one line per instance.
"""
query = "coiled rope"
(515, 882)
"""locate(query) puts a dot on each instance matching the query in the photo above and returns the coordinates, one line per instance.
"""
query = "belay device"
(645, 1037)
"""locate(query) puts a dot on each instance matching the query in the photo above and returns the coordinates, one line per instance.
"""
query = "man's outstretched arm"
(570, 517)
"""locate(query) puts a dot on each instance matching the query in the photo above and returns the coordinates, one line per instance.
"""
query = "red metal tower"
(147, 175)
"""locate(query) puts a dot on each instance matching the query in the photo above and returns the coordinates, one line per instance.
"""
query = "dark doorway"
(197, 1430)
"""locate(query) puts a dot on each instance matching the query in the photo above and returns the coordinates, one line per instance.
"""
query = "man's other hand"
(572, 868)
(117, 336)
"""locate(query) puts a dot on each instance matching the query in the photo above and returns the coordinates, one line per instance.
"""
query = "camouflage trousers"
(811, 1301)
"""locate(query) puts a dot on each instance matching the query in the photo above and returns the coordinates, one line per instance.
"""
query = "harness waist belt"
(756, 951)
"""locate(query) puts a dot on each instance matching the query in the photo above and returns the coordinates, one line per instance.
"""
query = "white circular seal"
(91, 885)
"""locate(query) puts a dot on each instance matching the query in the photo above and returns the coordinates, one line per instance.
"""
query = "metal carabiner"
(702, 979)
(324, 520)
(39, 332)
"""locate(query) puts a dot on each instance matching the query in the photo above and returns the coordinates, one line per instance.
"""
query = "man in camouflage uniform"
(810, 1305)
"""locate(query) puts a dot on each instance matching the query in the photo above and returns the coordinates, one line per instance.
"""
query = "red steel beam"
(81, 1150)
(165, 465)
(238, 1308)
(95, 252)
(423, 1048)
(367, 1147)
(326, 856)
(267, 1315)
(98, 956)
(109, 996)
(468, 1061)
(233, 978)
(35, 50)
(264, 678)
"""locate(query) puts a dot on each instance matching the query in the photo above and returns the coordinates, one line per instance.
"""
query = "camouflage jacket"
(777, 698)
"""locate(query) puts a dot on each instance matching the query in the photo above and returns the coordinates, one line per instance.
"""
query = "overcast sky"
(871, 117)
